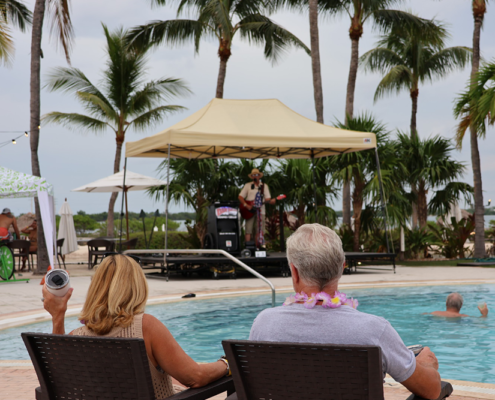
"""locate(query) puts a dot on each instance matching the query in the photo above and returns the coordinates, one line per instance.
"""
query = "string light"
(26, 133)
(13, 141)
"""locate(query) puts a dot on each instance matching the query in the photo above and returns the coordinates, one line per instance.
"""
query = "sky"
(69, 159)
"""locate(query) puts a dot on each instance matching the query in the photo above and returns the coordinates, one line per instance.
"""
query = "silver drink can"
(57, 282)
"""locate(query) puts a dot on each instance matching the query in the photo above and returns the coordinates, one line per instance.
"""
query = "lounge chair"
(298, 371)
(89, 368)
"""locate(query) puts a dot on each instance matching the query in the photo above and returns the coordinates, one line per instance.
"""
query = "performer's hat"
(255, 171)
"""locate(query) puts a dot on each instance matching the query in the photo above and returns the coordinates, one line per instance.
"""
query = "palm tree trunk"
(37, 29)
(414, 98)
(113, 198)
(315, 59)
(479, 9)
(349, 113)
(224, 54)
(357, 206)
(346, 204)
(422, 207)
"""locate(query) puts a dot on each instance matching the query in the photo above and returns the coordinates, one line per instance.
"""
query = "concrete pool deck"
(21, 304)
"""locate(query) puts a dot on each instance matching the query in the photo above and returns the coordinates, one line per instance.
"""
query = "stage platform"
(217, 266)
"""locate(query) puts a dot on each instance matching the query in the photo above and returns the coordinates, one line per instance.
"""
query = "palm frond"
(151, 117)
(386, 20)
(261, 30)
(397, 79)
(16, 13)
(219, 12)
(76, 121)
(61, 24)
(380, 59)
(441, 201)
(96, 106)
(155, 91)
(173, 32)
(7, 48)
(444, 61)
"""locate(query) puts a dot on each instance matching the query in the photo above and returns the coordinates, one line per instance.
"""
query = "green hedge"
(175, 240)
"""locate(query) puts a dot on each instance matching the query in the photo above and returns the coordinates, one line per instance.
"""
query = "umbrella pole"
(122, 206)
(166, 207)
(127, 216)
(314, 185)
(384, 208)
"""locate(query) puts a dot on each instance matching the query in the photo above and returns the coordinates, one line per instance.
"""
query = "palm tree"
(475, 108)
(360, 167)
(384, 18)
(12, 12)
(427, 165)
(124, 102)
(61, 26)
(222, 20)
(407, 58)
(479, 10)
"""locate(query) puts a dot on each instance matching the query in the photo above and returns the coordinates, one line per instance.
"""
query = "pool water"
(465, 347)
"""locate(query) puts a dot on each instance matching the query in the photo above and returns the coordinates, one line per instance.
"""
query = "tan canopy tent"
(249, 129)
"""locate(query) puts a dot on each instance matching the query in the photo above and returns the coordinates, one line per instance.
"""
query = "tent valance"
(249, 129)
(15, 184)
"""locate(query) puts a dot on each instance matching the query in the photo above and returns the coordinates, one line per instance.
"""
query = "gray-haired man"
(454, 304)
(316, 260)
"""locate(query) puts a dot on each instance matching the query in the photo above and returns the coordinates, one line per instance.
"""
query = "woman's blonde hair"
(117, 292)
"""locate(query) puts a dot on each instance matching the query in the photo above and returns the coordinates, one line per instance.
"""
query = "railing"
(223, 252)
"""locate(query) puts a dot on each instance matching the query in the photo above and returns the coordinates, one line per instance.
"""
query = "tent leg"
(166, 208)
(127, 217)
(314, 185)
(122, 205)
(384, 209)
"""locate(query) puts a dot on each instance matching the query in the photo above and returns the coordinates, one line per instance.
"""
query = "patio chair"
(20, 249)
(98, 248)
(82, 367)
(60, 243)
(130, 244)
(295, 371)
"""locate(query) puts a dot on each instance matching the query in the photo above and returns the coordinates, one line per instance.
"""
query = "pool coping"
(20, 318)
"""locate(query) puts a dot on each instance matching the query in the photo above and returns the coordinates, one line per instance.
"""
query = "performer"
(253, 197)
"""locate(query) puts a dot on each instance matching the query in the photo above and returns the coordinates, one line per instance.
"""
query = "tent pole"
(384, 209)
(127, 216)
(314, 184)
(166, 207)
(122, 206)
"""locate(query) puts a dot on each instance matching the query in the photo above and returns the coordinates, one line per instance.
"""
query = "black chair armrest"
(225, 384)
(40, 395)
(447, 390)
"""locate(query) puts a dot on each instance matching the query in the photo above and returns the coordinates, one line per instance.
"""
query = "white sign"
(260, 253)
(228, 243)
(367, 140)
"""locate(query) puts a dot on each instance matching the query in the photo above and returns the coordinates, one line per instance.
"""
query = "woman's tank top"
(162, 383)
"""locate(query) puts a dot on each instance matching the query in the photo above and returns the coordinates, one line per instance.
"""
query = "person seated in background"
(32, 232)
(319, 313)
(7, 220)
(114, 307)
(454, 304)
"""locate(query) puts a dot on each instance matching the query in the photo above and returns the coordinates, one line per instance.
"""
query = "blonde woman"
(114, 307)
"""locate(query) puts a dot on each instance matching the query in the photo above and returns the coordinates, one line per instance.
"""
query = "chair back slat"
(294, 371)
(90, 368)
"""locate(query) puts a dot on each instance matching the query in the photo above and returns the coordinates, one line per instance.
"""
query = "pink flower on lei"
(352, 303)
(311, 301)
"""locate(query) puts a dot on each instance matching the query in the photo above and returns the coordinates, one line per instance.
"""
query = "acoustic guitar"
(249, 213)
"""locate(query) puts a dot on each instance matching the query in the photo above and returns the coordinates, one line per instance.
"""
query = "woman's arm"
(164, 351)
(56, 306)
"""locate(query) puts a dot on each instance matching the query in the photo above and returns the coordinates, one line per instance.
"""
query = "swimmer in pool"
(454, 304)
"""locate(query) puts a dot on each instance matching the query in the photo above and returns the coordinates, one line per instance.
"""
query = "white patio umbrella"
(66, 229)
(114, 183)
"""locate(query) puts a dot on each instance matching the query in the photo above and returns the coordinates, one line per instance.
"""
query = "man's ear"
(295, 273)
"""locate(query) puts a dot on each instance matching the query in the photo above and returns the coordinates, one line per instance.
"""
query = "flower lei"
(328, 301)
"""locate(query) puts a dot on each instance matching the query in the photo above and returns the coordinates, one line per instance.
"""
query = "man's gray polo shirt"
(343, 325)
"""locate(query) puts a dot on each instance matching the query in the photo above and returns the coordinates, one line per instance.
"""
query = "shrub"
(176, 240)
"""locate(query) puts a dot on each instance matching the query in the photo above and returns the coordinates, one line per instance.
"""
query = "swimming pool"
(464, 347)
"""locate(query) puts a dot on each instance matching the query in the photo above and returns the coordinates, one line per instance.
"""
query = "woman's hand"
(56, 306)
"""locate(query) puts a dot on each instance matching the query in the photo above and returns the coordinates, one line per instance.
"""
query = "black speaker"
(224, 228)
